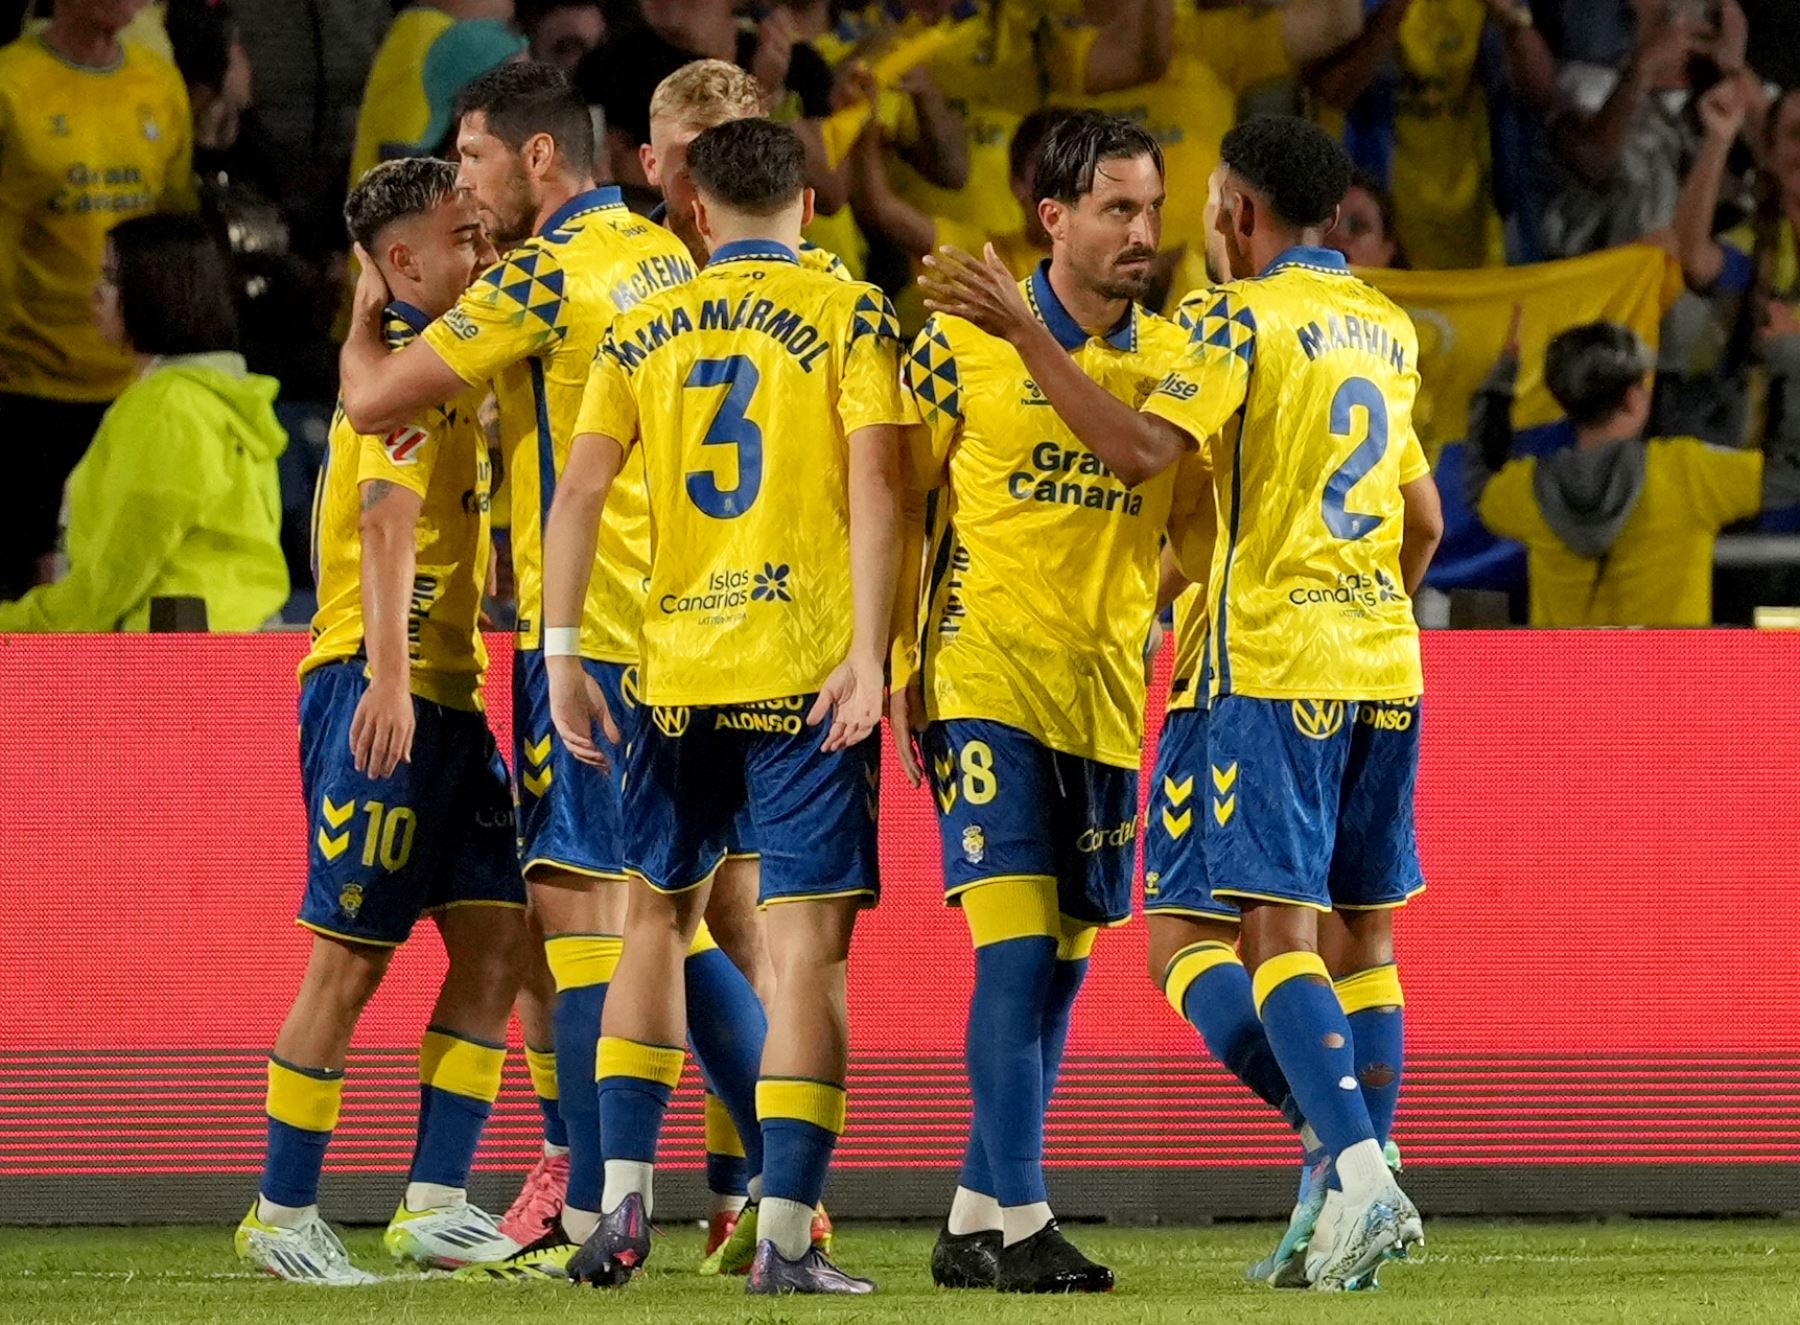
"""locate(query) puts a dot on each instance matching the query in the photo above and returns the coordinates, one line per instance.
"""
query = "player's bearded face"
(495, 176)
(1112, 234)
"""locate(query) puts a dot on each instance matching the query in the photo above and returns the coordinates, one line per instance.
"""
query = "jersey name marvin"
(783, 325)
(1351, 332)
(1054, 463)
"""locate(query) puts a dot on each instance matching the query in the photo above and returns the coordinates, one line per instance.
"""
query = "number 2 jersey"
(1299, 386)
(741, 390)
(531, 325)
(443, 458)
(1042, 565)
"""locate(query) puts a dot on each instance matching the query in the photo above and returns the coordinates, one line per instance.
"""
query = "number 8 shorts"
(1010, 807)
(435, 833)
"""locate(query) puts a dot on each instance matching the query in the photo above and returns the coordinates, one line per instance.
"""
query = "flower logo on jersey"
(1318, 719)
(772, 584)
(671, 721)
(974, 844)
(1386, 588)
(350, 900)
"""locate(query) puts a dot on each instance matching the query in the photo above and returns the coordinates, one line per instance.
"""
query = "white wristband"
(562, 641)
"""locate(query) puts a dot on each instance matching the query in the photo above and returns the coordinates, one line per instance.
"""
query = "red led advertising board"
(1602, 971)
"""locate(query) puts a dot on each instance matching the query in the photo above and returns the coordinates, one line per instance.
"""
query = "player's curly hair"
(754, 166)
(705, 93)
(1300, 169)
(1590, 369)
(1075, 144)
(395, 190)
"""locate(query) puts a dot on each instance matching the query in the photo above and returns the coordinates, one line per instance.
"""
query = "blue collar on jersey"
(898, 10)
(590, 200)
(1068, 332)
(1304, 255)
(659, 214)
(753, 250)
(413, 317)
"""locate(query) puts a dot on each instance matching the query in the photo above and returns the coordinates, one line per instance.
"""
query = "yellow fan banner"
(1462, 319)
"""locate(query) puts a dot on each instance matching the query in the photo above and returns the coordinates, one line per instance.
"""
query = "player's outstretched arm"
(1423, 523)
(854, 692)
(1135, 446)
(571, 533)
(381, 732)
(383, 391)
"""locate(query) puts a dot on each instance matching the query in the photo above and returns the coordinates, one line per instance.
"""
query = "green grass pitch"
(1506, 1273)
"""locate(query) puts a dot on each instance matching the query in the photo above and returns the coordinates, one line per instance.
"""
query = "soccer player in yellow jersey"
(764, 401)
(1327, 521)
(407, 800)
(702, 95)
(1042, 587)
(573, 257)
(93, 130)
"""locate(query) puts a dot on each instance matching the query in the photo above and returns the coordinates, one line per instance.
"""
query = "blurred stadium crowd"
(165, 393)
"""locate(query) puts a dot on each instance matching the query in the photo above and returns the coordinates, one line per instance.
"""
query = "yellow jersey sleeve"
(608, 402)
(511, 312)
(1413, 464)
(869, 392)
(1508, 507)
(1210, 382)
(1724, 483)
(931, 379)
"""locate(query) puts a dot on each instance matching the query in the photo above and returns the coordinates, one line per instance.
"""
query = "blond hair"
(706, 94)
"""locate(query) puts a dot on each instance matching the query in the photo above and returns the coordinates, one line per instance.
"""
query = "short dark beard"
(1134, 288)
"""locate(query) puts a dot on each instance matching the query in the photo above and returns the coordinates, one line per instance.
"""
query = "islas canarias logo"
(732, 591)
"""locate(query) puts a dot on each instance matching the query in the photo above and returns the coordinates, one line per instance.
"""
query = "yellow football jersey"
(532, 324)
(1043, 566)
(443, 458)
(1306, 596)
(80, 150)
(1188, 676)
(1216, 55)
(738, 392)
(1441, 186)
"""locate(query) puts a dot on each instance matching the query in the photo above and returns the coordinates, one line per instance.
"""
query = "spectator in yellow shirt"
(1618, 530)
(93, 130)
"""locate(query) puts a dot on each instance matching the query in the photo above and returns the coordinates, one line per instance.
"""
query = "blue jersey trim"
(753, 250)
(587, 201)
(408, 314)
(1068, 332)
(546, 447)
(1221, 646)
(1315, 259)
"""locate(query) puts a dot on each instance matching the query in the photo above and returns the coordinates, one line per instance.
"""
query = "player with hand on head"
(1328, 519)
(572, 257)
(1024, 680)
(763, 401)
(407, 800)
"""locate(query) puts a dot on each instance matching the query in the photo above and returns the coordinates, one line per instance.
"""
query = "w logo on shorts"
(1318, 719)
(671, 721)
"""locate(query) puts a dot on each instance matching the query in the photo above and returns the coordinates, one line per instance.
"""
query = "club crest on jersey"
(1318, 719)
(350, 900)
(147, 122)
(974, 844)
(402, 444)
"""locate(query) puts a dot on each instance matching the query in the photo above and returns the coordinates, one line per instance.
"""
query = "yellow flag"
(1462, 318)
(886, 66)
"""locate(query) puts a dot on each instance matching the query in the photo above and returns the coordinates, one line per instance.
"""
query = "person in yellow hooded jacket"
(178, 496)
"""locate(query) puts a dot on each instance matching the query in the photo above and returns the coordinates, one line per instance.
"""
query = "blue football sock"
(1375, 1008)
(801, 1122)
(1311, 1039)
(636, 1081)
(727, 1026)
(1207, 984)
(302, 1106)
(459, 1079)
(1005, 1054)
(582, 966)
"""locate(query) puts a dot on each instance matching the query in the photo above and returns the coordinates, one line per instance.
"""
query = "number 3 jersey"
(741, 390)
(1042, 565)
(1318, 371)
